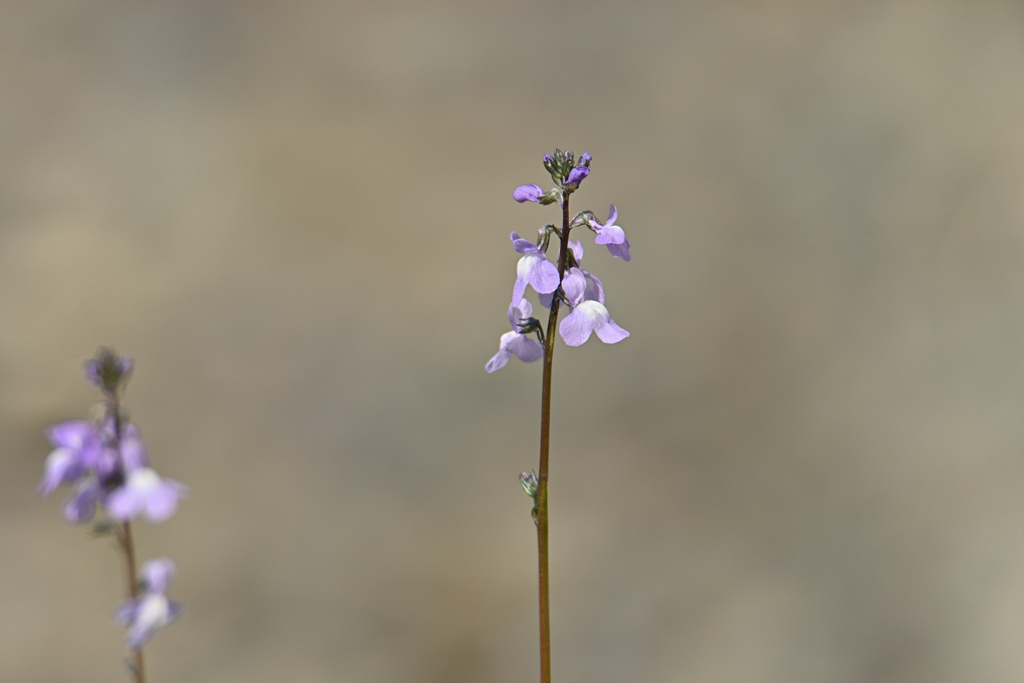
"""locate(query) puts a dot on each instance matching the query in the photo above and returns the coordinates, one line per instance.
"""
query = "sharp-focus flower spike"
(611, 235)
(514, 343)
(146, 493)
(533, 269)
(587, 315)
(528, 193)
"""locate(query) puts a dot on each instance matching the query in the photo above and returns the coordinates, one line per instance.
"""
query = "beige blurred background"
(804, 465)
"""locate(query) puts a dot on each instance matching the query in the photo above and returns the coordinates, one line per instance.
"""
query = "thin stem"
(545, 442)
(124, 536)
(128, 546)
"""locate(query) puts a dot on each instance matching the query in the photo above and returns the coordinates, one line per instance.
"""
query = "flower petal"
(526, 348)
(575, 328)
(527, 193)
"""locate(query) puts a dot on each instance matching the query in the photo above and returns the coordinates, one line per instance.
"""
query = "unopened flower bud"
(585, 159)
(551, 197)
(107, 370)
(528, 480)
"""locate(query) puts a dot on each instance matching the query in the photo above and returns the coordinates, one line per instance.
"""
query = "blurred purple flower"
(588, 315)
(522, 346)
(151, 611)
(146, 493)
(611, 235)
(78, 446)
(80, 508)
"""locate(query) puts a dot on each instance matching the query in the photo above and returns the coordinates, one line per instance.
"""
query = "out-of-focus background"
(806, 464)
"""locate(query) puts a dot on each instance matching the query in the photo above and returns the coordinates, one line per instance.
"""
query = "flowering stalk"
(584, 294)
(108, 465)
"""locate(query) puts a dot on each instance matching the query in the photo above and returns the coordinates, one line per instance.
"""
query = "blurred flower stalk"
(106, 463)
(564, 282)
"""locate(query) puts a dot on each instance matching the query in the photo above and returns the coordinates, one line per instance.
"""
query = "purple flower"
(78, 447)
(533, 269)
(157, 575)
(134, 455)
(528, 193)
(146, 493)
(611, 235)
(522, 346)
(588, 315)
(576, 177)
(80, 508)
(594, 289)
(150, 611)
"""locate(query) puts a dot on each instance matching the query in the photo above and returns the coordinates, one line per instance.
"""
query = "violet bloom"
(594, 290)
(588, 315)
(146, 493)
(528, 193)
(576, 177)
(80, 508)
(533, 269)
(151, 611)
(611, 235)
(78, 447)
(522, 346)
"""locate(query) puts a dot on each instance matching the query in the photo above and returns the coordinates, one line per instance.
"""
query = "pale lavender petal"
(575, 328)
(526, 348)
(522, 311)
(539, 272)
(585, 159)
(157, 574)
(73, 434)
(124, 613)
(81, 506)
(519, 289)
(546, 299)
(162, 502)
(498, 361)
(524, 246)
(595, 290)
(574, 285)
(152, 613)
(527, 193)
(145, 492)
(610, 234)
(577, 250)
(124, 503)
(609, 332)
(613, 215)
(133, 452)
(620, 250)
(62, 467)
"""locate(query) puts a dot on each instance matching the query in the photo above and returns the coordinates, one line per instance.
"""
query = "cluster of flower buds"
(106, 463)
(577, 288)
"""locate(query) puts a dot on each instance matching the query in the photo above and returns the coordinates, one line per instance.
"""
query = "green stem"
(545, 442)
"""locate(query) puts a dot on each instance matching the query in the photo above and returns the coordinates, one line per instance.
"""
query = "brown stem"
(125, 537)
(545, 442)
(128, 546)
